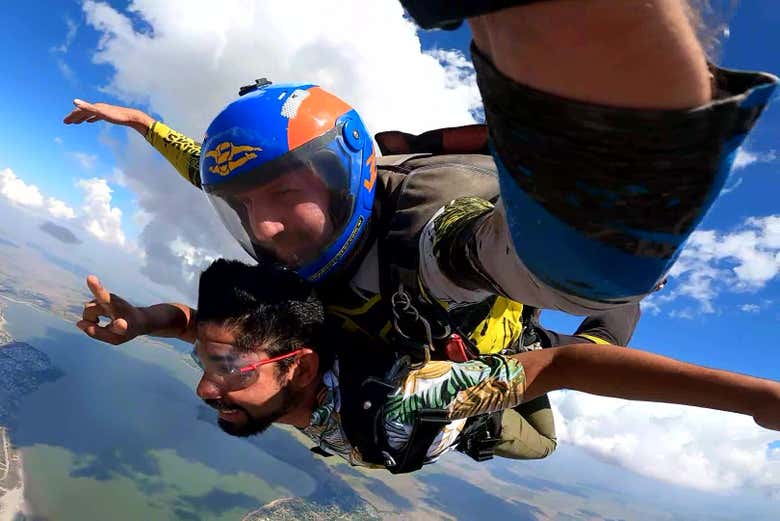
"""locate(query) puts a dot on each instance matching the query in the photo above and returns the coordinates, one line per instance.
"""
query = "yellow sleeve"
(180, 151)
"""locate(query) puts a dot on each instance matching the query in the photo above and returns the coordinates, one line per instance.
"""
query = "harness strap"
(428, 424)
(480, 436)
(363, 421)
(419, 325)
(319, 451)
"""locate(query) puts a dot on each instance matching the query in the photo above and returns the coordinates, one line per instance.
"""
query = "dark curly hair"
(269, 308)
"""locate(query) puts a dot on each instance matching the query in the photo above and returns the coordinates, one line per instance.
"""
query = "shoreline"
(12, 501)
(13, 504)
(5, 336)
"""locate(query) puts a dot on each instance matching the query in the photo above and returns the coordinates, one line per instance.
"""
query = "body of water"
(122, 435)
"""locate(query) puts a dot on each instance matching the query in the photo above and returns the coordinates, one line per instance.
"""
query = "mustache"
(222, 404)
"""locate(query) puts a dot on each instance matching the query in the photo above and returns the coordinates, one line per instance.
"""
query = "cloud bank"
(698, 448)
(96, 215)
(20, 193)
(713, 262)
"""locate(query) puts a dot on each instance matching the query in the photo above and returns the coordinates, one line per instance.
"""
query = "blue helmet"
(271, 131)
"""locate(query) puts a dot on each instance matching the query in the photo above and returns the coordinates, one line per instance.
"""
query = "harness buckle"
(480, 442)
(389, 461)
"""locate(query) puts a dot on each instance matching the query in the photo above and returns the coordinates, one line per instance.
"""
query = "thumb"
(119, 326)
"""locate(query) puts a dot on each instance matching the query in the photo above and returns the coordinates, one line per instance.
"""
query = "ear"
(306, 369)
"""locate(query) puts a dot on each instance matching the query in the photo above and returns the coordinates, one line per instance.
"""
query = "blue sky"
(730, 320)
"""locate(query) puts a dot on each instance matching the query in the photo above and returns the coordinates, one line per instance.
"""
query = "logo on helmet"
(228, 157)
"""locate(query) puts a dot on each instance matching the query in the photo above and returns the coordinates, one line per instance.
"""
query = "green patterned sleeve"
(488, 384)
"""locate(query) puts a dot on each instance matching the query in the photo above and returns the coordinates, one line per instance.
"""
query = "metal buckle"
(405, 314)
(389, 461)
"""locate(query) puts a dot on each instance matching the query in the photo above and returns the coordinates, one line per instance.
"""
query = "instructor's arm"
(182, 152)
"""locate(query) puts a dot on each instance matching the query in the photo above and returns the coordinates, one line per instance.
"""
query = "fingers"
(102, 296)
(84, 105)
(92, 312)
(83, 112)
(75, 117)
(80, 116)
(104, 334)
(114, 332)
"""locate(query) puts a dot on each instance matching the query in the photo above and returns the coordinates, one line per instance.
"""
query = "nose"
(264, 218)
(266, 229)
(207, 389)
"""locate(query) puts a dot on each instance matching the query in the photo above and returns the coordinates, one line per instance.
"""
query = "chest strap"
(373, 444)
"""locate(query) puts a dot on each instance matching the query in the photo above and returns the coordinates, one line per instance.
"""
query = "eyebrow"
(220, 358)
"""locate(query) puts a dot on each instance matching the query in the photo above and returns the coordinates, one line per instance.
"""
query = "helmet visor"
(291, 208)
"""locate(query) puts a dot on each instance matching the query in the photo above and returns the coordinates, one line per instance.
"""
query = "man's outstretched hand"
(92, 112)
(126, 320)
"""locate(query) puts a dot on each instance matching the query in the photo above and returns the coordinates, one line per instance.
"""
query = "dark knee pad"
(615, 326)
(600, 200)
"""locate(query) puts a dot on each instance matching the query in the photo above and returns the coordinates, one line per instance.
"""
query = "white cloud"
(750, 308)
(196, 259)
(61, 50)
(69, 37)
(100, 218)
(727, 189)
(15, 190)
(66, 70)
(746, 157)
(187, 77)
(713, 262)
(97, 216)
(87, 161)
(326, 47)
(141, 218)
(460, 77)
(59, 209)
(698, 448)
(19, 192)
(119, 177)
(774, 451)
(58, 140)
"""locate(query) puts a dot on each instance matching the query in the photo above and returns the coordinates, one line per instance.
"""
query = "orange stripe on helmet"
(371, 163)
(316, 115)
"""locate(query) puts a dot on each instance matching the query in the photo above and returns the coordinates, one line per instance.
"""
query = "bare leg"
(641, 54)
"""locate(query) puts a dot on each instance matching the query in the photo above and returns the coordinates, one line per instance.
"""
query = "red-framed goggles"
(230, 372)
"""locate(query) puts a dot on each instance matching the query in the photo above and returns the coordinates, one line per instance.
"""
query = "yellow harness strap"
(594, 339)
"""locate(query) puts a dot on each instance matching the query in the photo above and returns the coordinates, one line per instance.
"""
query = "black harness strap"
(427, 426)
(420, 326)
(480, 436)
